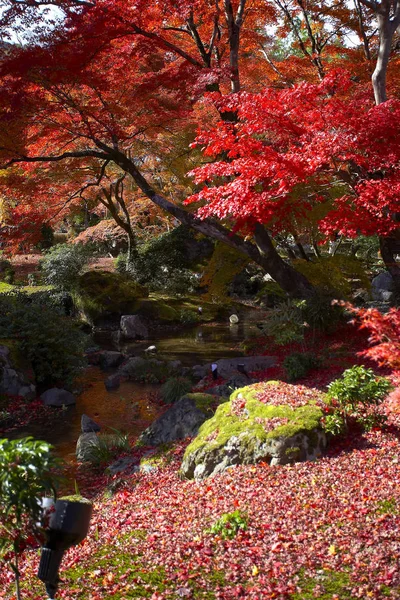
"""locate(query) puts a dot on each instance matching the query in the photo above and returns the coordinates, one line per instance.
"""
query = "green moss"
(333, 583)
(387, 507)
(100, 294)
(207, 403)
(76, 498)
(224, 425)
(6, 288)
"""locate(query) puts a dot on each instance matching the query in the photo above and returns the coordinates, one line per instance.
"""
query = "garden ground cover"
(327, 530)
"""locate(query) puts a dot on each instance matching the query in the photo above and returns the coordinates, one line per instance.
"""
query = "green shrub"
(357, 394)
(164, 262)
(7, 272)
(108, 448)
(174, 388)
(63, 264)
(320, 314)
(333, 275)
(298, 364)
(189, 317)
(26, 473)
(51, 341)
(285, 323)
(229, 524)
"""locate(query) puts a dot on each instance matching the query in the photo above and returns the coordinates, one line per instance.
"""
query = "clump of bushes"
(63, 264)
(52, 342)
(165, 263)
(299, 364)
(356, 396)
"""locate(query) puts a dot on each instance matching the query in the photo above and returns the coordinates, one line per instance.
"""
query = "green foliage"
(148, 371)
(358, 385)
(271, 294)
(7, 272)
(320, 314)
(298, 364)
(189, 317)
(48, 339)
(174, 388)
(332, 275)
(335, 423)
(108, 448)
(229, 524)
(164, 263)
(63, 264)
(100, 294)
(285, 323)
(357, 394)
(26, 467)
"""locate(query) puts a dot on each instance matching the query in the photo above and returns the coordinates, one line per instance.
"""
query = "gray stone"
(148, 469)
(112, 382)
(125, 464)
(151, 350)
(247, 449)
(228, 367)
(85, 444)
(182, 420)
(382, 285)
(13, 382)
(199, 371)
(134, 327)
(88, 425)
(57, 397)
(229, 386)
(110, 359)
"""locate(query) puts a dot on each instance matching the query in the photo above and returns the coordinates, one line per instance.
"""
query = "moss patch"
(103, 294)
(329, 584)
(207, 403)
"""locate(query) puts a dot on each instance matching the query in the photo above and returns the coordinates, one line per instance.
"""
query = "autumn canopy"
(248, 120)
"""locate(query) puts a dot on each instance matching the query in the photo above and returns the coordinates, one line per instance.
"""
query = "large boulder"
(261, 422)
(85, 444)
(110, 359)
(58, 397)
(12, 381)
(101, 295)
(134, 327)
(228, 367)
(382, 287)
(88, 425)
(182, 420)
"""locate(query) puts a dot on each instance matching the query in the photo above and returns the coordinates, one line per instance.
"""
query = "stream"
(133, 406)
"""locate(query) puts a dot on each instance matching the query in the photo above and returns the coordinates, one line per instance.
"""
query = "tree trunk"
(290, 280)
(387, 27)
(262, 252)
(387, 253)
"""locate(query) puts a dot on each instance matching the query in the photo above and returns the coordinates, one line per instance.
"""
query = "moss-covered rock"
(247, 430)
(100, 294)
(182, 420)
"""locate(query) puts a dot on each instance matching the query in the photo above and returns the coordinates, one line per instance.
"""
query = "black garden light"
(68, 526)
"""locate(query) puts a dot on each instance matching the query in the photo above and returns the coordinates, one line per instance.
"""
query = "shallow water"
(132, 408)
